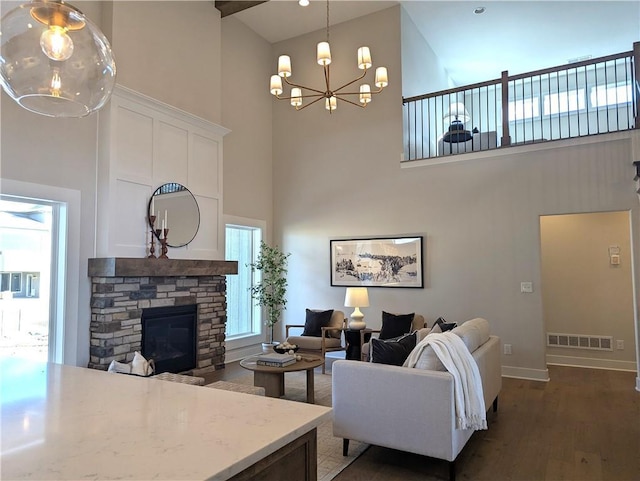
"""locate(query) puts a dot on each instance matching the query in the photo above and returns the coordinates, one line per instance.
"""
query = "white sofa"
(411, 409)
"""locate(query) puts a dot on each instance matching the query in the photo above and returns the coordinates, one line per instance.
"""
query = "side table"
(354, 346)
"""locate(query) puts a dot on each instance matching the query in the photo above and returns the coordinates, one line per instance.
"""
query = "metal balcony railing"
(575, 100)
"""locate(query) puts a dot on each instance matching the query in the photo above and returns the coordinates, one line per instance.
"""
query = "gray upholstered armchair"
(319, 335)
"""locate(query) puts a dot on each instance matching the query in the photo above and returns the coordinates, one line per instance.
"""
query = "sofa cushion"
(395, 325)
(474, 333)
(392, 351)
(315, 321)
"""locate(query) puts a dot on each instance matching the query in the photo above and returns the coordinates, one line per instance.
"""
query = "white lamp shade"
(456, 111)
(364, 58)
(276, 85)
(284, 66)
(54, 61)
(331, 103)
(365, 93)
(382, 77)
(296, 97)
(356, 297)
(324, 53)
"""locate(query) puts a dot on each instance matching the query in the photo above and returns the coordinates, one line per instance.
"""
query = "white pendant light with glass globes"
(300, 93)
(54, 61)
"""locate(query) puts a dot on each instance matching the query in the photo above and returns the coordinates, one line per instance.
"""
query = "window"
(564, 102)
(524, 109)
(609, 95)
(244, 318)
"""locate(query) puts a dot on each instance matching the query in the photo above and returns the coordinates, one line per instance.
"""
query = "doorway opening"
(27, 233)
(587, 290)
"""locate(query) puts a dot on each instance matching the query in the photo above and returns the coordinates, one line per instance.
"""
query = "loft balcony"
(575, 100)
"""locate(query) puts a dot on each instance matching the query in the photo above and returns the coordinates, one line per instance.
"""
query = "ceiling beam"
(230, 7)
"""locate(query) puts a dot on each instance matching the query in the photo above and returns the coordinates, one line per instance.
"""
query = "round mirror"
(174, 205)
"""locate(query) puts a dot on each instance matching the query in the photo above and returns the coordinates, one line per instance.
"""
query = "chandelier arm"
(353, 81)
(311, 103)
(303, 96)
(302, 87)
(350, 102)
(358, 93)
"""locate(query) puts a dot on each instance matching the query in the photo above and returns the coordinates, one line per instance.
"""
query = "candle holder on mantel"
(152, 247)
(163, 242)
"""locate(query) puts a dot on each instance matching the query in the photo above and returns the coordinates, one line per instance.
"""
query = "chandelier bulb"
(56, 83)
(56, 43)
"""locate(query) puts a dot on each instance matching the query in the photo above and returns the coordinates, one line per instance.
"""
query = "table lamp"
(356, 297)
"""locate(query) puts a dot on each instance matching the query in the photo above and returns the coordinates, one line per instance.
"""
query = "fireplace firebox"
(169, 337)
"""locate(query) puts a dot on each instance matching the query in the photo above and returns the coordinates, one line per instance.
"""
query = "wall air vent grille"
(580, 341)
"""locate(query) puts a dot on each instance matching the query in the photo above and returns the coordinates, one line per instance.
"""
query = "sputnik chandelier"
(300, 93)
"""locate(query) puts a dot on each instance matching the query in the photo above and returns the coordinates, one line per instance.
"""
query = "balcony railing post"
(506, 137)
(636, 83)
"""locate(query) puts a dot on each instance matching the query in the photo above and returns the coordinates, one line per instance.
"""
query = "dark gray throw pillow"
(394, 325)
(315, 321)
(392, 351)
(444, 325)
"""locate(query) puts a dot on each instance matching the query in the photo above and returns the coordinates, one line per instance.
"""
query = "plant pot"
(268, 346)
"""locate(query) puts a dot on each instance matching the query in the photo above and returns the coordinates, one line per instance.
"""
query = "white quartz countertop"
(61, 423)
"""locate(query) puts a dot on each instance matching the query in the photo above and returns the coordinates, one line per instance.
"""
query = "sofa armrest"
(397, 407)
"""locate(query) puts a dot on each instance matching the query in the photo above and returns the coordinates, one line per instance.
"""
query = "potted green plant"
(270, 291)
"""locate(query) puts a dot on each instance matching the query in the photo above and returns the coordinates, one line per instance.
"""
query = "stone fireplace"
(122, 288)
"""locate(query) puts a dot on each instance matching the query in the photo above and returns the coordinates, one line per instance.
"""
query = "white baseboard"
(574, 361)
(525, 373)
(242, 352)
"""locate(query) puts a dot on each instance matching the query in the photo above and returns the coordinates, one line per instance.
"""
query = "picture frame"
(377, 262)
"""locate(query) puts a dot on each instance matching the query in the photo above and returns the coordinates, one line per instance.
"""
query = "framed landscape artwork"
(377, 262)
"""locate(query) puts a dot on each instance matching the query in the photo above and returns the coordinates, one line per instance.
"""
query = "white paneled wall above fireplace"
(144, 143)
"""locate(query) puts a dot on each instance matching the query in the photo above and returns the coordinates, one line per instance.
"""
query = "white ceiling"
(518, 36)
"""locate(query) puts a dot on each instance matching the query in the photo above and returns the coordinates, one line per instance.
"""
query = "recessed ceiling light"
(479, 10)
(303, 3)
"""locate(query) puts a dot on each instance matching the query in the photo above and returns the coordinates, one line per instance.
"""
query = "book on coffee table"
(275, 360)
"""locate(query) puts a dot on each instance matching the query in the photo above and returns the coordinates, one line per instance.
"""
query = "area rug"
(330, 459)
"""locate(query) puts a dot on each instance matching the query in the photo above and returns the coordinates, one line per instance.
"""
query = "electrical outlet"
(620, 345)
(526, 287)
(507, 349)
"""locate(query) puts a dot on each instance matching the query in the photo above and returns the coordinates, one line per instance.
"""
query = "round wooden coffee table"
(272, 378)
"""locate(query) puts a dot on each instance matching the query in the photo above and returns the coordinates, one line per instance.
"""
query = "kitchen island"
(61, 423)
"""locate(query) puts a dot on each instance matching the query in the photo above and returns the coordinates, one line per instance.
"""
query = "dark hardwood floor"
(582, 425)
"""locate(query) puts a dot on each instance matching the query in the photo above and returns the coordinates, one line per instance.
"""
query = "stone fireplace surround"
(122, 287)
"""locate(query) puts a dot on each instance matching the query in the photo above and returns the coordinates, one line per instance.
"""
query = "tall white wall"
(246, 110)
(339, 176)
(422, 71)
(170, 51)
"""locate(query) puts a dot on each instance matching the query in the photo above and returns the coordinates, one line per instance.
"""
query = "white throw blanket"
(467, 384)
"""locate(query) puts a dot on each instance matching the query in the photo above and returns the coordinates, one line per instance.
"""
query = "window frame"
(256, 336)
